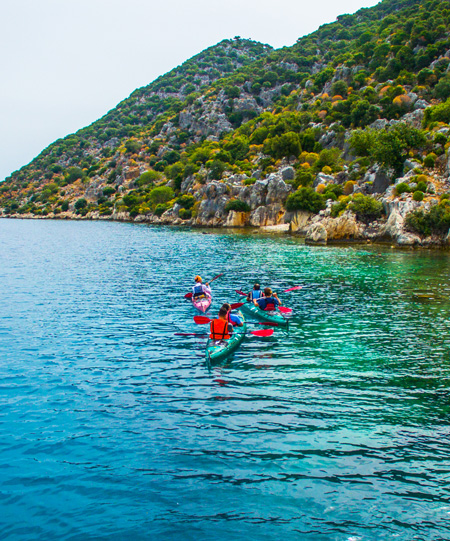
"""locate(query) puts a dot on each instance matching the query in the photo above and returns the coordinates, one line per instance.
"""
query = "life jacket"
(270, 304)
(230, 320)
(198, 290)
(256, 294)
(219, 329)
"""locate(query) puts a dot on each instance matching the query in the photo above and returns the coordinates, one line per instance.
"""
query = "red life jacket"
(270, 306)
(219, 329)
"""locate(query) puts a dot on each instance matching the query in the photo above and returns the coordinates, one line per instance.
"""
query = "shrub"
(327, 170)
(65, 206)
(73, 174)
(149, 177)
(436, 220)
(186, 201)
(185, 214)
(108, 191)
(161, 208)
(401, 187)
(81, 204)
(334, 189)
(422, 185)
(337, 208)
(132, 146)
(349, 187)
(430, 160)
(320, 188)
(161, 194)
(305, 199)
(237, 205)
(366, 207)
(418, 195)
(249, 181)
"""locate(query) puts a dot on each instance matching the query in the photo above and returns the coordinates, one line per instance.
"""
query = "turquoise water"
(113, 428)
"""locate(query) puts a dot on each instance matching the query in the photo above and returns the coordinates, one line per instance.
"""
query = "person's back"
(200, 290)
(269, 302)
(235, 320)
(255, 293)
(220, 327)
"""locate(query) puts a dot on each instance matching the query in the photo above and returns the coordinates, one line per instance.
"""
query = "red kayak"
(202, 304)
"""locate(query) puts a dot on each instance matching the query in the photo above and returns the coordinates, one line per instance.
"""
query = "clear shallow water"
(112, 427)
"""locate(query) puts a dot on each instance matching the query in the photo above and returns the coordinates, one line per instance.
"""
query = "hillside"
(344, 135)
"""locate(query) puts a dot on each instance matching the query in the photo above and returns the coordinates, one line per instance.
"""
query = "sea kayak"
(220, 349)
(202, 304)
(268, 317)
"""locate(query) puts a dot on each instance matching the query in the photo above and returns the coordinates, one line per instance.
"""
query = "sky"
(65, 63)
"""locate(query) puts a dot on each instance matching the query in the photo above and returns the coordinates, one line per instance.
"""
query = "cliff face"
(344, 135)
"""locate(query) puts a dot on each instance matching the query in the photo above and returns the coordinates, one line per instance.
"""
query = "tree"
(161, 194)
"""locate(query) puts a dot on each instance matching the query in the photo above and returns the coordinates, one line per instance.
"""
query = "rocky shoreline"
(265, 199)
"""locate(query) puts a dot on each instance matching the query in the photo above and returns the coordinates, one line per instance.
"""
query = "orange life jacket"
(219, 329)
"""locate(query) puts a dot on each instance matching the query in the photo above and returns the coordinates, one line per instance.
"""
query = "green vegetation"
(311, 106)
(237, 205)
(435, 221)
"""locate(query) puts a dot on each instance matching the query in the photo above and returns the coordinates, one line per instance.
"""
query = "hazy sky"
(65, 63)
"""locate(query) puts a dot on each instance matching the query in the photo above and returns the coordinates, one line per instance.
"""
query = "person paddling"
(220, 328)
(255, 293)
(200, 290)
(235, 320)
(269, 302)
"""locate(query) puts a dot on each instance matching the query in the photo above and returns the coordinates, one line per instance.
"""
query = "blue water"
(112, 427)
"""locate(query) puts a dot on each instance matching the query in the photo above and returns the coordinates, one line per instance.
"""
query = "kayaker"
(269, 302)
(235, 320)
(220, 328)
(255, 293)
(200, 290)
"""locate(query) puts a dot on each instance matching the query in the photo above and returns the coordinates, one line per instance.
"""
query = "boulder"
(287, 173)
(380, 180)
(277, 190)
(322, 178)
(237, 219)
(299, 221)
(267, 215)
(316, 234)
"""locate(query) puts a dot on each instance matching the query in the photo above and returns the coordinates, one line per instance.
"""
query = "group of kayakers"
(222, 327)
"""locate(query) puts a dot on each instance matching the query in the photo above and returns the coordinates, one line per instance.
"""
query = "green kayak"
(269, 317)
(217, 350)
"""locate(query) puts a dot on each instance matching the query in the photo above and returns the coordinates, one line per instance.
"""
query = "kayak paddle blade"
(188, 296)
(263, 332)
(240, 292)
(236, 305)
(285, 310)
(201, 320)
(293, 289)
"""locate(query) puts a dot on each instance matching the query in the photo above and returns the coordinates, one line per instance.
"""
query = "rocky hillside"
(342, 136)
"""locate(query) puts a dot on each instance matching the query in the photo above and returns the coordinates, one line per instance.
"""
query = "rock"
(322, 178)
(267, 215)
(394, 227)
(328, 139)
(421, 104)
(316, 234)
(345, 227)
(237, 219)
(277, 190)
(287, 173)
(414, 118)
(379, 124)
(379, 179)
(299, 221)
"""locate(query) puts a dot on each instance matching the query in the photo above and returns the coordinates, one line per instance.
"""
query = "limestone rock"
(267, 215)
(287, 173)
(316, 234)
(299, 221)
(378, 178)
(322, 178)
(237, 219)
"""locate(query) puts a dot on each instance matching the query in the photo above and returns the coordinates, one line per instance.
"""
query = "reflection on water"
(113, 427)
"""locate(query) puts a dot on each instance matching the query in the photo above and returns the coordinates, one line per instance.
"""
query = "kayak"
(202, 304)
(220, 349)
(269, 317)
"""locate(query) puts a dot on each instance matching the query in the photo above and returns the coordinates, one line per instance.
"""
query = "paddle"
(282, 309)
(189, 295)
(263, 332)
(293, 289)
(202, 320)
